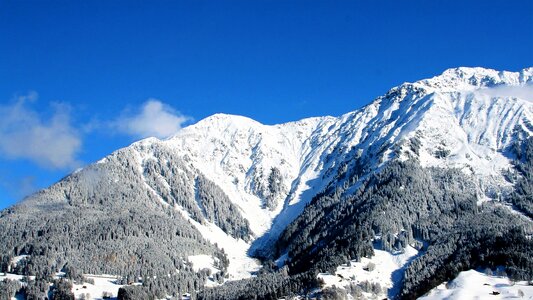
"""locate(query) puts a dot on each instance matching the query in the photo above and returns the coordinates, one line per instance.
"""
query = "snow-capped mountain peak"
(465, 118)
(231, 182)
(271, 171)
(469, 78)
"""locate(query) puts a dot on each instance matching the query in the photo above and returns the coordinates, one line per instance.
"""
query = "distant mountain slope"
(440, 164)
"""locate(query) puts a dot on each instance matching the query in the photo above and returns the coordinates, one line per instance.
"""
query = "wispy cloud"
(25, 133)
(524, 92)
(153, 119)
(16, 188)
(26, 186)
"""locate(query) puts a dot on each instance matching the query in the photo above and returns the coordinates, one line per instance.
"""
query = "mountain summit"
(434, 175)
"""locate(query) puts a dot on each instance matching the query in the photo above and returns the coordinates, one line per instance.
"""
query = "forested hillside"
(108, 219)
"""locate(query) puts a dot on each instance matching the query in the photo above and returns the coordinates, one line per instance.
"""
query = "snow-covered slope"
(228, 175)
(475, 285)
(239, 154)
(460, 119)
(380, 269)
(465, 118)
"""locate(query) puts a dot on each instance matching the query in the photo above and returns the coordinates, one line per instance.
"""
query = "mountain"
(434, 176)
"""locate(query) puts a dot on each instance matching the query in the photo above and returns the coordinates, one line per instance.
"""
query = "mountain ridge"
(236, 184)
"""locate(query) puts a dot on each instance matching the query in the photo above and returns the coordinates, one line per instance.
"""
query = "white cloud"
(49, 141)
(154, 119)
(524, 92)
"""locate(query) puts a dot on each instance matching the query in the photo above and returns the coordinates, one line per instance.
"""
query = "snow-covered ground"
(383, 268)
(476, 285)
(202, 261)
(17, 259)
(13, 277)
(240, 264)
(103, 285)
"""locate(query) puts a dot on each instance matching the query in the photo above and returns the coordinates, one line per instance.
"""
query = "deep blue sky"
(274, 61)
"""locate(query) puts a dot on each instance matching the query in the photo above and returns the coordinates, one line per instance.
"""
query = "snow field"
(381, 268)
(104, 285)
(476, 285)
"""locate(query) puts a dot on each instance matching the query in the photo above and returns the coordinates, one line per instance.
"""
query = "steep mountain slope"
(462, 128)
(431, 170)
(107, 219)
(417, 166)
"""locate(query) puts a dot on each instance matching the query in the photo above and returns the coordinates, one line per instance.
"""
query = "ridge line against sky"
(81, 79)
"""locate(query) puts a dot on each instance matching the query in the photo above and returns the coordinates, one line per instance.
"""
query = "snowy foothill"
(477, 285)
